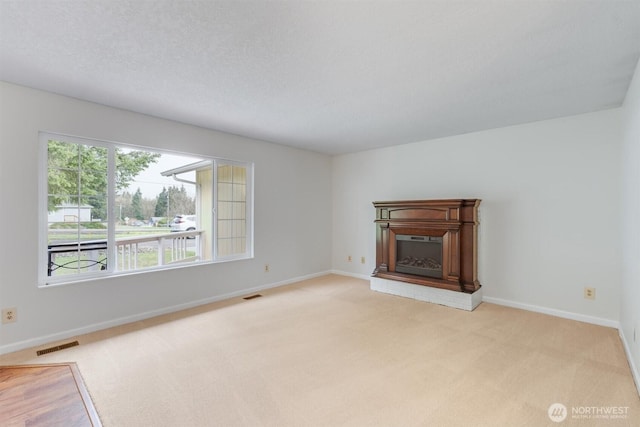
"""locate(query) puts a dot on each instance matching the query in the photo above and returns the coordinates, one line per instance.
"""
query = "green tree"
(123, 205)
(77, 174)
(136, 205)
(148, 207)
(180, 202)
(162, 203)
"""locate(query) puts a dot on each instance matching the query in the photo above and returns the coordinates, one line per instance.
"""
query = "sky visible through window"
(151, 182)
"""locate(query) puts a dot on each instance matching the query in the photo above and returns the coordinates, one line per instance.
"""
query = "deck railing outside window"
(131, 252)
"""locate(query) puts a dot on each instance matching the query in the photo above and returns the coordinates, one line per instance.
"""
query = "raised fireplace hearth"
(430, 243)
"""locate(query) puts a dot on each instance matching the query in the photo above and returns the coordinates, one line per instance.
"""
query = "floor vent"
(57, 348)
(252, 296)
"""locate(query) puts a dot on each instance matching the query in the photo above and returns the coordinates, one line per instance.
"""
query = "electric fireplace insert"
(420, 255)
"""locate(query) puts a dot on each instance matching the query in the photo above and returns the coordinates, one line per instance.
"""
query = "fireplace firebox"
(419, 255)
(428, 242)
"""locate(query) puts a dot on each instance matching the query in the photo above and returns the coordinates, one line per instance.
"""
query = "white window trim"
(47, 281)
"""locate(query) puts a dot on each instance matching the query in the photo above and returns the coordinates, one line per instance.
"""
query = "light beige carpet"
(330, 352)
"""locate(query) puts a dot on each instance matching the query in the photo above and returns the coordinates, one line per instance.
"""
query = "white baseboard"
(634, 369)
(514, 304)
(554, 312)
(356, 275)
(46, 339)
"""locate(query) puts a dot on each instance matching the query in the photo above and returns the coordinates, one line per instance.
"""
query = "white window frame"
(45, 280)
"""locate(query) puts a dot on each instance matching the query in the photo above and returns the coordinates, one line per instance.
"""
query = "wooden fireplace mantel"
(454, 220)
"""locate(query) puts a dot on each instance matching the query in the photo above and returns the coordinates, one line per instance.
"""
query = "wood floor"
(45, 395)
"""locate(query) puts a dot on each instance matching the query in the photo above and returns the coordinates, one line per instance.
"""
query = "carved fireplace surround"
(428, 247)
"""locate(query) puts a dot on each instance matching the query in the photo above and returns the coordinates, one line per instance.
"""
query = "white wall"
(549, 214)
(550, 217)
(292, 216)
(630, 306)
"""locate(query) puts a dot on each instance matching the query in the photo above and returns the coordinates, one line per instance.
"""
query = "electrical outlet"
(266, 268)
(349, 259)
(362, 260)
(9, 315)
(590, 293)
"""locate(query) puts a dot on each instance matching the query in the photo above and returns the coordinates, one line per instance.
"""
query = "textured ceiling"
(329, 76)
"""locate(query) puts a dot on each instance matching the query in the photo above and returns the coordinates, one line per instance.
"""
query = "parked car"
(183, 223)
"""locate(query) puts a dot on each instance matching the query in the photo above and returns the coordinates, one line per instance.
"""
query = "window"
(232, 208)
(109, 209)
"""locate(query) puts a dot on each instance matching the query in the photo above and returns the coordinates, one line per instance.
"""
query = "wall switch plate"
(362, 260)
(349, 258)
